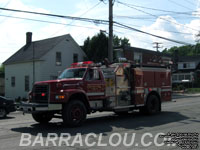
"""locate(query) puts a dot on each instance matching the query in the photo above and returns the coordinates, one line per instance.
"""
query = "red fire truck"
(86, 87)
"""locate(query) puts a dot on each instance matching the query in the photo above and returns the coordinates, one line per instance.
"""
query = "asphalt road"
(180, 116)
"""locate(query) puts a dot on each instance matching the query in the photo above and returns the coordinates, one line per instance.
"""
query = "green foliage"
(193, 90)
(198, 37)
(2, 71)
(178, 87)
(96, 48)
(197, 79)
(187, 50)
(120, 41)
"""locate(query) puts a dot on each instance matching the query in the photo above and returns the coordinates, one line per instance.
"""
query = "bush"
(193, 90)
(178, 87)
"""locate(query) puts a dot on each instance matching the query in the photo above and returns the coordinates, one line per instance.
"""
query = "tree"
(2, 71)
(120, 42)
(96, 48)
(187, 50)
(198, 37)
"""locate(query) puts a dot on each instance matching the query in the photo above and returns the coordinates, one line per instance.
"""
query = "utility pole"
(157, 45)
(110, 39)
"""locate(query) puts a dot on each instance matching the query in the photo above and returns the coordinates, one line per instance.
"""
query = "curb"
(176, 96)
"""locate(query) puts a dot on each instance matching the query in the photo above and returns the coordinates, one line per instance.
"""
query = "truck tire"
(152, 105)
(42, 117)
(74, 113)
(3, 113)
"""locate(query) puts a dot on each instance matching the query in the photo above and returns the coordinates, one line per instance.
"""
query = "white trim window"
(182, 77)
(58, 59)
(12, 81)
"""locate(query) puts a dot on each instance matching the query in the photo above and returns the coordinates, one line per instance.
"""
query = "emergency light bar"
(82, 64)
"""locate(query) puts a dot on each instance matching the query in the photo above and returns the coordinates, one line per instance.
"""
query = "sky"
(174, 19)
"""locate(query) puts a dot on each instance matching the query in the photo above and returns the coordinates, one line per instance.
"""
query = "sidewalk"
(184, 95)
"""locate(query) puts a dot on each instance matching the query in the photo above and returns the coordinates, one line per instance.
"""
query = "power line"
(80, 16)
(23, 18)
(171, 31)
(132, 36)
(105, 22)
(97, 21)
(150, 17)
(137, 30)
(190, 2)
(53, 22)
(128, 5)
(179, 4)
(162, 10)
(7, 3)
(176, 32)
(91, 8)
(4, 7)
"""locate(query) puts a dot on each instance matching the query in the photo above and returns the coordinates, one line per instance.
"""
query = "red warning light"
(43, 94)
(81, 64)
(87, 62)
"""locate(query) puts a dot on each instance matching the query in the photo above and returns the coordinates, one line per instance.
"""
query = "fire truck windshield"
(72, 73)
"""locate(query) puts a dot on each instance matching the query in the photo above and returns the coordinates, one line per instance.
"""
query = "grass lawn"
(193, 90)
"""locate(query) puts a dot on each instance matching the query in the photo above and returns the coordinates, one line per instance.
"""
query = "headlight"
(59, 97)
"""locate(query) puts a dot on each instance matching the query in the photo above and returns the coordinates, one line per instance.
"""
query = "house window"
(187, 77)
(13, 81)
(137, 58)
(26, 83)
(181, 77)
(184, 65)
(75, 58)
(58, 59)
(174, 78)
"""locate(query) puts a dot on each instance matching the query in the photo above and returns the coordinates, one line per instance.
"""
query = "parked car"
(6, 106)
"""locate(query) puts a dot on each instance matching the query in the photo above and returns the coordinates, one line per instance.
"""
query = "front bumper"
(37, 107)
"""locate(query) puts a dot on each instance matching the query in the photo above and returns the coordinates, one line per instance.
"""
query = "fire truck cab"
(86, 87)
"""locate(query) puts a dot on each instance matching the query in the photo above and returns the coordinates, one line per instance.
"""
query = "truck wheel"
(42, 117)
(74, 113)
(3, 113)
(153, 105)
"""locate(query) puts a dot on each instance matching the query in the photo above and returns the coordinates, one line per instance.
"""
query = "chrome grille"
(41, 93)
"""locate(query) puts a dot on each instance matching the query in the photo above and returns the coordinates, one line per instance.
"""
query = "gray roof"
(189, 58)
(41, 47)
(141, 50)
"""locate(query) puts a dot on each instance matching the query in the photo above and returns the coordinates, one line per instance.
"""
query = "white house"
(188, 66)
(39, 61)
